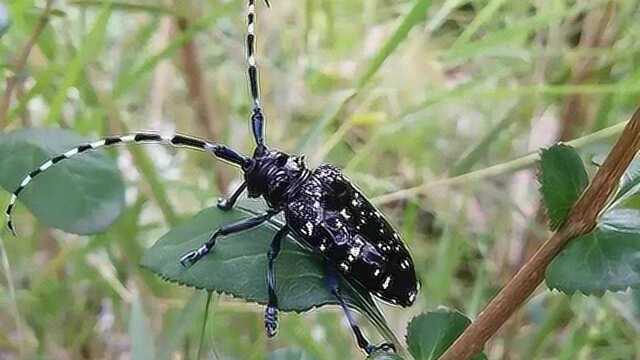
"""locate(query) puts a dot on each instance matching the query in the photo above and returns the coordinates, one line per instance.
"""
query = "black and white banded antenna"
(257, 117)
(175, 140)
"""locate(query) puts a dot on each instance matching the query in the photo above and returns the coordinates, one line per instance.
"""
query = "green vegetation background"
(398, 93)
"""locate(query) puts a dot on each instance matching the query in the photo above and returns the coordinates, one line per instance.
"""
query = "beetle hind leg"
(271, 312)
(331, 279)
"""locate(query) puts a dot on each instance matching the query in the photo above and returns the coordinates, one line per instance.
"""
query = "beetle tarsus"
(192, 257)
(223, 204)
(387, 347)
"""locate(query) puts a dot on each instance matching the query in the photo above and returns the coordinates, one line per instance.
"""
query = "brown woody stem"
(581, 220)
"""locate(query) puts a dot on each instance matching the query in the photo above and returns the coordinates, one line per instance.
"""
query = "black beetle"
(324, 211)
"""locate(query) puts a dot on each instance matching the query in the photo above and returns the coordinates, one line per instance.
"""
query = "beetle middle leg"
(227, 204)
(271, 312)
(331, 278)
(193, 256)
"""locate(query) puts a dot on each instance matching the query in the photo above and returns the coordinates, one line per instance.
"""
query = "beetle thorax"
(275, 176)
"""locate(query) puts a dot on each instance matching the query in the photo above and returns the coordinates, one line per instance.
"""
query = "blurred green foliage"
(399, 93)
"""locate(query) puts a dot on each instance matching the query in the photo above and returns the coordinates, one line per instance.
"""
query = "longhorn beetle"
(323, 210)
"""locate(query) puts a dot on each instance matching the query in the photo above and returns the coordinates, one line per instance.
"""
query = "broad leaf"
(237, 266)
(562, 179)
(430, 335)
(599, 261)
(83, 195)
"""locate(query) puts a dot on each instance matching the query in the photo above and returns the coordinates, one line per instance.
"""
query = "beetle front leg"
(227, 204)
(331, 279)
(271, 312)
(193, 256)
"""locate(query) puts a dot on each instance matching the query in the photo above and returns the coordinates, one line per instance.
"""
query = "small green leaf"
(238, 264)
(83, 195)
(562, 179)
(599, 261)
(289, 354)
(430, 335)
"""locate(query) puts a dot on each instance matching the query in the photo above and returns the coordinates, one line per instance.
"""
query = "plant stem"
(581, 220)
(21, 62)
(498, 169)
(204, 324)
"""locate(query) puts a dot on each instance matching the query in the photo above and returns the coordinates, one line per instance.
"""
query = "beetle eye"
(281, 160)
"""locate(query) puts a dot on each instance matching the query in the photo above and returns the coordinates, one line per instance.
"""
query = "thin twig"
(581, 220)
(20, 63)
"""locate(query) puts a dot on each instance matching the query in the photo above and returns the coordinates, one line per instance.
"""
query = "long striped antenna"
(257, 118)
(174, 140)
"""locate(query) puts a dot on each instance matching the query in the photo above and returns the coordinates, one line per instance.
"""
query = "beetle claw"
(190, 258)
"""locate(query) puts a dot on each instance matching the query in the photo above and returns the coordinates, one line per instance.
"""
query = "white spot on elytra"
(309, 227)
(345, 214)
(412, 296)
(404, 264)
(387, 281)
(344, 266)
(376, 272)
(128, 138)
(322, 247)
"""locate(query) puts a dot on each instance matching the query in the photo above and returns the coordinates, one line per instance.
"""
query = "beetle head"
(272, 173)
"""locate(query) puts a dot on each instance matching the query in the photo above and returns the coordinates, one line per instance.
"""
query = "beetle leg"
(271, 312)
(227, 204)
(193, 256)
(331, 279)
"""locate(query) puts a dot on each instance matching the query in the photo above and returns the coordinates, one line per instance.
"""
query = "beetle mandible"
(323, 210)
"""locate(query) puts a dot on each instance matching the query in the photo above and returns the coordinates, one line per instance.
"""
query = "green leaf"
(599, 261)
(430, 335)
(608, 258)
(238, 265)
(289, 354)
(83, 195)
(140, 333)
(562, 179)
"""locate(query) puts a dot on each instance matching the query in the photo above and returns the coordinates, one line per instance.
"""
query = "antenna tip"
(268, 4)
